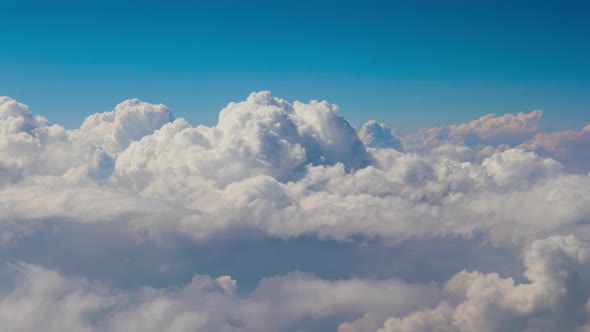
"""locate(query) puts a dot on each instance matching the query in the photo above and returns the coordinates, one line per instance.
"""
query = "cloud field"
(284, 217)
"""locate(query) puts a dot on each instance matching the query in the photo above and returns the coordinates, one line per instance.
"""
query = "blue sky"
(409, 64)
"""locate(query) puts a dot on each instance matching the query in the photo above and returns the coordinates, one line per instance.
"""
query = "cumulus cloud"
(554, 299)
(378, 135)
(129, 121)
(275, 169)
(287, 170)
(33, 146)
(29, 144)
(263, 135)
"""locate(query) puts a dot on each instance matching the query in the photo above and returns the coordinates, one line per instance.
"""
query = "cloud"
(129, 121)
(286, 171)
(28, 143)
(411, 197)
(42, 297)
(488, 130)
(144, 183)
(378, 135)
(569, 147)
(263, 135)
(514, 166)
(554, 299)
(36, 147)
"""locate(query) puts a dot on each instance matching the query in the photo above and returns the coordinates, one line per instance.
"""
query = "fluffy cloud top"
(28, 143)
(378, 135)
(129, 121)
(263, 135)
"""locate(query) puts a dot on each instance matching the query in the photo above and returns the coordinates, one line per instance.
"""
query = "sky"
(409, 64)
(410, 166)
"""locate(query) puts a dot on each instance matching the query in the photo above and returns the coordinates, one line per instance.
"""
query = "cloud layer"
(270, 169)
(42, 297)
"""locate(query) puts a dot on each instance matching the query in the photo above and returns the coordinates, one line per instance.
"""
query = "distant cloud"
(570, 147)
(487, 130)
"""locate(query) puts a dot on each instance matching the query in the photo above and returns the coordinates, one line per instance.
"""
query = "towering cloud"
(263, 135)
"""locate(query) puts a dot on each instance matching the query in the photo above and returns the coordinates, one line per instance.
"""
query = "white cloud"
(554, 299)
(28, 143)
(270, 168)
(255, 170)
(113, 131)
(516, 166)
(32, 146)
(262, 135)
(42, 297)
(378, 135)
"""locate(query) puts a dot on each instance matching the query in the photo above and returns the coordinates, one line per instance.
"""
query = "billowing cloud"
(263, 135)
(378, 135)
(136, 178)
(283, 170)
(570, 147)
(33, 146)
(129, 121)
(554, 299)
(28, 143)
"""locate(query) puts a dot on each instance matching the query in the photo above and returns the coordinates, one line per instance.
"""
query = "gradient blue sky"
(409, 64)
